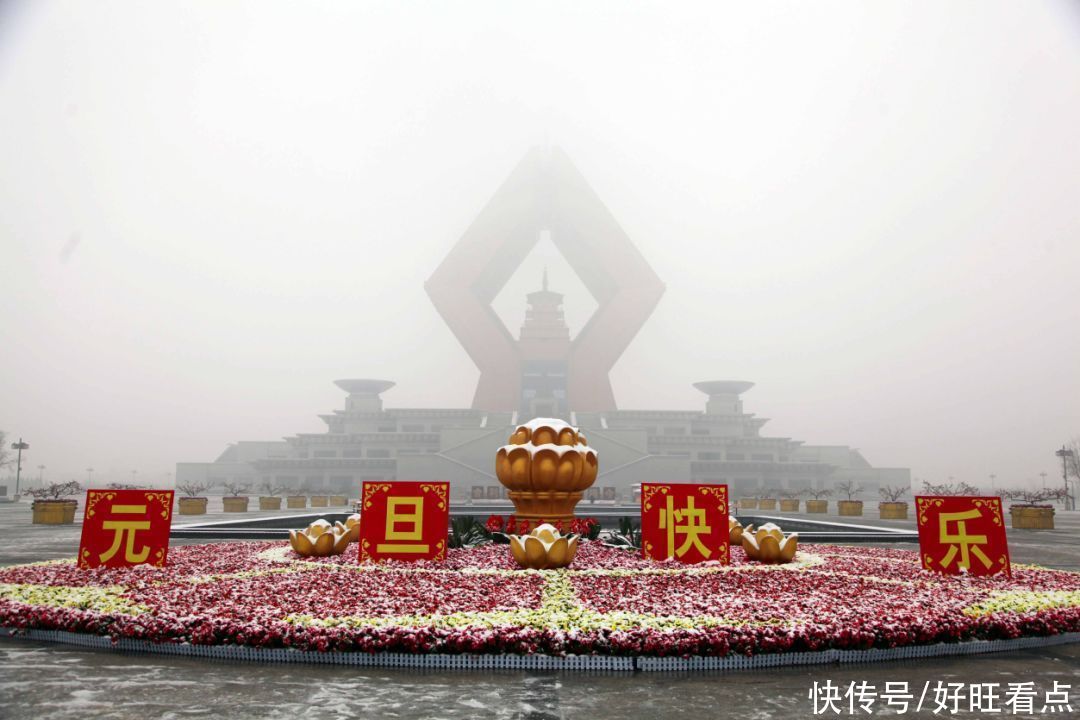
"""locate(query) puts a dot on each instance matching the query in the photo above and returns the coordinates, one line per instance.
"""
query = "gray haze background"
(210, 210)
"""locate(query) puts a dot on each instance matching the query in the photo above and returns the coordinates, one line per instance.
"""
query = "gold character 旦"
(126, 528)
(406, 539)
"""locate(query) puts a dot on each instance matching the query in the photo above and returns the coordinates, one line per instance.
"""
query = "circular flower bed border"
(612, 611)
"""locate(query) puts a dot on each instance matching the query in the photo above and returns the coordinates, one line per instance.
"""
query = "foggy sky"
(211, 210)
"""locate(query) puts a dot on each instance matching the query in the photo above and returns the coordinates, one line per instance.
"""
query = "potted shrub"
(789, 500)
(1030, 509)
(236, 500)
(769, 501)
(851, 506)
(339, 500)
(748, 503)
(819, 504)
(272, 499)
(53, 504)
(193, 502)
(890, 507)
(297, 501)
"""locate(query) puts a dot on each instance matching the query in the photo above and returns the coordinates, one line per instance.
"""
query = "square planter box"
(767, 504)
(235, 504)
(789, 505)
(339, 500)
(320, 500)
(1031, 518)
(193, 506)
(297, 501)
(748, 503)
(849, 507)
(269, 503)
(54, 512)
(892, 510)
(817, 506)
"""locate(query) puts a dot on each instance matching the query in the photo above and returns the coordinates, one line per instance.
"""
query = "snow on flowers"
(610, 602)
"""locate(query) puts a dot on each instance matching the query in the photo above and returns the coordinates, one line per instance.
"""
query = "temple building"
(366, 441)
(541, 372)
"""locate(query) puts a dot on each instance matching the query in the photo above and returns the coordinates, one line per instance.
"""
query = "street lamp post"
(40, 474)
(993, 477)
(20, 446)
(89, 473)
(1043, 475)
(1064, 453)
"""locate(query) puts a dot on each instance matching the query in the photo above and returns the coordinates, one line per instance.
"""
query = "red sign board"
(404, 520)
(122, 528)
(686, 522)
(962, 535)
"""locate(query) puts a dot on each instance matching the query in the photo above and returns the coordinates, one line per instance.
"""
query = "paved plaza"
(41, 680)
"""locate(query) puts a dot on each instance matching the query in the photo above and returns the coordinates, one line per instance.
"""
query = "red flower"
(494, 523)
(511, 525)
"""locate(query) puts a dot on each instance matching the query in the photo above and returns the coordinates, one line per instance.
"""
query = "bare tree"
(273, 490)
(6, 457)
(890, 493)
(55, 491)
(961, 488)
(849, 488)
(121, 486)
(1072, 462)
(1034, 496)
(236, 489)
(193, 488)
(819, 493)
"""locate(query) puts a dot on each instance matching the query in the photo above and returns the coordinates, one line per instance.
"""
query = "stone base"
(297, 501)
(767, 504)
(787, 505)
(320, 501)
(339, 500)
(269, 503)
(548, 506)
(817, 506)
(748, 503)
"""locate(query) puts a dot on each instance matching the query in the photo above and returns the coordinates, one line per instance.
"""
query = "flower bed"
(611, 602)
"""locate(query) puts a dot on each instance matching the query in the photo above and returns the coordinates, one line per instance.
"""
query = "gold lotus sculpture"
(546, 467)
(769, 545)
(320, 538)
(736, 530)
(545, 548)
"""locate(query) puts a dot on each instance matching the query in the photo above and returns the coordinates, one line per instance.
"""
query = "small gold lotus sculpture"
(320, 538)
(736, 530)
(545, 548)
(769, 545)
(546, 467)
